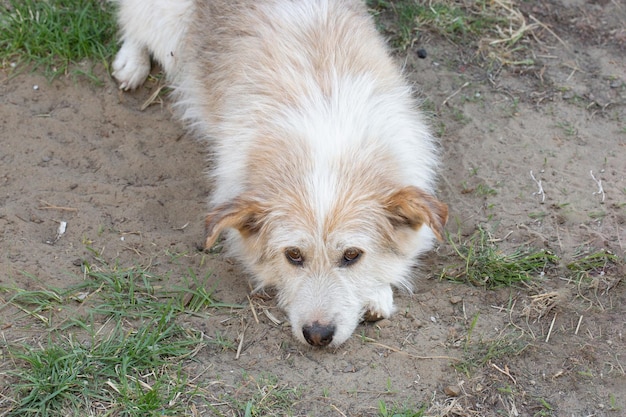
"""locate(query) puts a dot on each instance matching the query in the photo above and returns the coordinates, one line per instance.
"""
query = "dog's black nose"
(317, 334)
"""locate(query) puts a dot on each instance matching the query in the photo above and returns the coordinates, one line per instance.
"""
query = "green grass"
(113, 340)
(257, 396)
(596, 270)
(477, 354)
(448, 18)
(394, 410)
(587, 262)
(458, 21)
(489, 30)
(128, 372)
(484, 264)
(57, 35)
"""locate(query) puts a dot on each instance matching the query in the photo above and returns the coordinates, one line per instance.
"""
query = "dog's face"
(332, 266)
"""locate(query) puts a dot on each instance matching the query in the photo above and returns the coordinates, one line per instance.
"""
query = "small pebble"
(421, 53)
(35, 87)
(349, 369)
(455, 299)
(452, 390)
(383, 323)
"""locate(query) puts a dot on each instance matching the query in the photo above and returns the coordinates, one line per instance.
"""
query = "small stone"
(421, 53)
(455, 299)
(452, 390)
(383, 323)
(616, 83)
(350, 369)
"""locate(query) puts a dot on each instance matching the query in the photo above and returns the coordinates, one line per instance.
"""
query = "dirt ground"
(130, 183)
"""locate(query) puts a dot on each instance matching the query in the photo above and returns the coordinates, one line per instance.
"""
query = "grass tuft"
(263, 396)
(485, 265)
(599, 270)
(56, 35)
(113, 345)
(394, 410)
(478, 354)
(494, 27)
(129, 373)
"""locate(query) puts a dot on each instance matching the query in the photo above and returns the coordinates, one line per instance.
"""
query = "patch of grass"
(496, 27)
(128, 373)
(485, 265)
(478, 354)
(113, 347)
(596, 270)
(448, 18)
(589, 261)
(485, 190)
(56, 35)
(36, 303)
(263, 396)
(115, 293)
(395, 410)
(545, 409)
(568, 129)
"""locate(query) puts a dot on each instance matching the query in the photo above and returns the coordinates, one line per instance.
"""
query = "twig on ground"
(551, 326)
(455, 93)
(580, 320)
(48, 206)
(549, 31)
(540, 191)
(256, 318)
(505, 371)
(599, 184)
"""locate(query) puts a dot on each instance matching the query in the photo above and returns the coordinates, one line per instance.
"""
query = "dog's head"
(332, 266)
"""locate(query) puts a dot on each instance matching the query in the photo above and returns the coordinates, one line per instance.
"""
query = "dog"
(323, 167)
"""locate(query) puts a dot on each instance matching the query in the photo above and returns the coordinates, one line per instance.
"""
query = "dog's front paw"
(380, 306)
(131, 66)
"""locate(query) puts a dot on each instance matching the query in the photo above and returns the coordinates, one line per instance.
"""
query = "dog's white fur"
(318, 151)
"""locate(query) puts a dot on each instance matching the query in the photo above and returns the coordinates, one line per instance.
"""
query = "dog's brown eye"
(350, 256)
(294, 256)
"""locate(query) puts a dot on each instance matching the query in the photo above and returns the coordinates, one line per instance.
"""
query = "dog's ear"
(412, 207)
(245, 215)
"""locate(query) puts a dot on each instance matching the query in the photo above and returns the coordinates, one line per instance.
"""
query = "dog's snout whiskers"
(318, 334)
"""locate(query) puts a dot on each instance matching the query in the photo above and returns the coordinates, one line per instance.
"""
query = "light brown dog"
(323, 168)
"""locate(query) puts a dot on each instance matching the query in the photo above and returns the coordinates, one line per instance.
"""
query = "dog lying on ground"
(323, 168)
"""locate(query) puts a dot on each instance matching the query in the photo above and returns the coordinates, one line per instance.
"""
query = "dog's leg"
(131, 65)
(381, 306)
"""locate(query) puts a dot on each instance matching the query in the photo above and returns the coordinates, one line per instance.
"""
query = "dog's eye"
(350, 256)
(294, 256)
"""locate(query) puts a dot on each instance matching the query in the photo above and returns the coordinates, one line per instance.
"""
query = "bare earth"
(130, 184)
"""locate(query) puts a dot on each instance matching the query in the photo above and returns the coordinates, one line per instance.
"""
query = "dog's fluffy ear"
(412, 207)
(245, 215)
